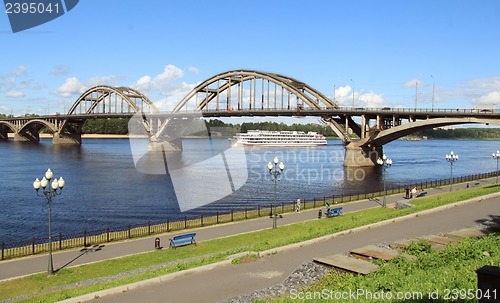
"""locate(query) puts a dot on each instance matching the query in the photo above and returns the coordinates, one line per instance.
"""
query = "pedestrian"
(327, 209)
(414, 192)
(298, 205)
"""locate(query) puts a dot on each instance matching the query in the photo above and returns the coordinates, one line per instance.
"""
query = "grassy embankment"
(438, 276)
(67, 282)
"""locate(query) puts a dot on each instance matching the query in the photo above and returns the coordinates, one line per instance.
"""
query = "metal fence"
(94, 237)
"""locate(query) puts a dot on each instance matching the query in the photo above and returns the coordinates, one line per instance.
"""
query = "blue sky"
(164, 48)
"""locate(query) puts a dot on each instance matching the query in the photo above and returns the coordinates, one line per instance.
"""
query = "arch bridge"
(99, 102)
(245, 93)
(240, 93)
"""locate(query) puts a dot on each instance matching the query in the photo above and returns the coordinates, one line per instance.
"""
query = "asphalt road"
(231, 280)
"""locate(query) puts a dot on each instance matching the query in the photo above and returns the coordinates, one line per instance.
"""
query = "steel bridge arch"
(234, 77)
(126, 93)
(391, 134)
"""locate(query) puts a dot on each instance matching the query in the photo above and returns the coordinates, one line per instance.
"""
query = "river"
(105, 188)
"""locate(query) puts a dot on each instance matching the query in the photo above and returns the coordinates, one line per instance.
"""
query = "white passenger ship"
(278, 138)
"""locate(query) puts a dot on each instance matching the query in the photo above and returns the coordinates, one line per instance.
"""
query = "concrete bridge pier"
(361, 156)
(66, 138)
(27, 137)
(156, 145)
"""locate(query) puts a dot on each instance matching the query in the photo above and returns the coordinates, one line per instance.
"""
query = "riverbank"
(216, 243)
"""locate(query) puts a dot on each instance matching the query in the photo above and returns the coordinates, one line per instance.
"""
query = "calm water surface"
(104, 188)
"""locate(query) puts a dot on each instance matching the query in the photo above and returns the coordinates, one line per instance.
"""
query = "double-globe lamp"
(49, 190)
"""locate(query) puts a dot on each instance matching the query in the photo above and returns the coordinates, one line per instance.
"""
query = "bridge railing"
(88, 238)
(389, 110)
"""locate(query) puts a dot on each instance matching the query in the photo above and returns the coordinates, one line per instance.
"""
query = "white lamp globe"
(49, 174)
(61, 182)
(36, 184)
(44, 182)
(55, 184)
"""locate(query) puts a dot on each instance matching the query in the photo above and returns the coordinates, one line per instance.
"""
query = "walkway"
(221, 282)
(229, 280)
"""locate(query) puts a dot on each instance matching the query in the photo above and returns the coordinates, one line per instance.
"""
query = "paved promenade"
(230, 280)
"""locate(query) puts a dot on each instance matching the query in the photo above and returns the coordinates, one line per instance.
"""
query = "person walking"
(298, 205)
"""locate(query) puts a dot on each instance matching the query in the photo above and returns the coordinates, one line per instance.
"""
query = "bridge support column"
(163, 145)
(66, 138)
(27, 137)
(4, 136)
(359, 156)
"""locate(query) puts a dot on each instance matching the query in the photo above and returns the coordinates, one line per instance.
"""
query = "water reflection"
(104, 187)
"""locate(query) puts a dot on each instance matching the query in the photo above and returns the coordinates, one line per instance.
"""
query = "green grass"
(445, 276)
(210, 251)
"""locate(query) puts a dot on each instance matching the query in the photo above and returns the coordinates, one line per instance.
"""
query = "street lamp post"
(275, 171)
(496, 156)
(452, 158)
(352, 93)
(49, 190)
(385, 163)
(432, 92)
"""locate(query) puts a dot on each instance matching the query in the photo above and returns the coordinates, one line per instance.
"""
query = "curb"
(167, 277)
(377, 224)
(127, 287)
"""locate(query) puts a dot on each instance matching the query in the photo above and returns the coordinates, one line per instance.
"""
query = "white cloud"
(104, 80)
(60, 70)
(14, 94)
(478, 91)
(344, 94)
(166, 83)
(194, 70)
(371, 99)
(490, 98)
(161, 82)
(72, 86)
(412, 83)
(12, 86)
(19, 71)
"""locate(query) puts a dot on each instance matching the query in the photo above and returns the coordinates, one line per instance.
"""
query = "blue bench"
(337, 211)
(421, 194)
(182, 240)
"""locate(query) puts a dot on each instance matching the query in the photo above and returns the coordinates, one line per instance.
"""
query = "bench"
(337, 211)
(475, 184)
(421, 194)
(182, 240)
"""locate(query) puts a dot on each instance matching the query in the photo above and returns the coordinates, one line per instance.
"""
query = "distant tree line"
(220, 128)
(462, 133)
(106, 126)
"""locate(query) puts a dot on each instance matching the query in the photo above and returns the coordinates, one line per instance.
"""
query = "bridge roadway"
(228, 280)
(405, 113)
